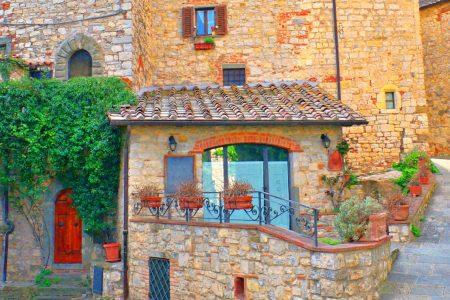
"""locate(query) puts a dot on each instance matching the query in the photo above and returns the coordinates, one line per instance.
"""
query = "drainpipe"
(5, 216)
(336, 50)
(125, 213)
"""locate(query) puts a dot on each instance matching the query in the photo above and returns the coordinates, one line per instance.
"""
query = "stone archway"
(75, 43)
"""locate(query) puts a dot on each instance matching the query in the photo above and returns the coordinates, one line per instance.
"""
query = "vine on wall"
(58, 130)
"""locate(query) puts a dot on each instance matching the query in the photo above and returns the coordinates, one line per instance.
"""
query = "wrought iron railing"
(267, 209)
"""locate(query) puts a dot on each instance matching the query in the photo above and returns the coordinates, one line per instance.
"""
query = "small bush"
(329, 241)
(415, 230)
(352, 219)
(43, 280)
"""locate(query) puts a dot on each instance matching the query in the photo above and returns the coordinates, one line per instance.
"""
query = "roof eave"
(236, 122)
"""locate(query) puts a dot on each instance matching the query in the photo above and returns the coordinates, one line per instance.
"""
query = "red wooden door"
(67, 231)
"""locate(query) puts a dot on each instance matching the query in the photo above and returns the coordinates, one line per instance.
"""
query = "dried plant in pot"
(149, 195)
(424, 175)
(398, 207)
(415, 188)
(189, 196)
(237, 196)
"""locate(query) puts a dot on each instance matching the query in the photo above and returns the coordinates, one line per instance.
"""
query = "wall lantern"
(172, 143)
(325, 141)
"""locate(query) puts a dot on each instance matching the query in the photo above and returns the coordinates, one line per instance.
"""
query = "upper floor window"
(205, 20)
(233, 76)
(5, 47)
(390, 100)
(80, 64)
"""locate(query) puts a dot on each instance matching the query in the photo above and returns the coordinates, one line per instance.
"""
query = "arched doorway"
(265, 167)
(68, 232)
(80, 64)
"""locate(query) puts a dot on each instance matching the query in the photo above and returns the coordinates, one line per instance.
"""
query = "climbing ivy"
(52, 129)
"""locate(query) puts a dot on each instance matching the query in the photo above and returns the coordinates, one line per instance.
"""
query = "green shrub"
(209, 40)
(415, 230)
(329, 241)
(43, 279)
(352, 219)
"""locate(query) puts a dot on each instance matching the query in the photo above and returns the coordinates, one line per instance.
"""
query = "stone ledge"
(281, 233)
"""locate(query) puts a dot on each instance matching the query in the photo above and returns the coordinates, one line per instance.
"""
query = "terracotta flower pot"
(376, 229)
(191, 202)
(203, 46)
(415, 190)
(425, 180)
(238, 202)
(112, 252)
(401, 213)
(335, 161)
(151, 201)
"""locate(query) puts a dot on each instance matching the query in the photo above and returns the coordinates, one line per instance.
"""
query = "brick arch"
(71, 45)
(247, 138)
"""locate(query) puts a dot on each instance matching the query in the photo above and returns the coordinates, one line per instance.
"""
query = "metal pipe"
(5, 216)
(125, 213)
(336, 50)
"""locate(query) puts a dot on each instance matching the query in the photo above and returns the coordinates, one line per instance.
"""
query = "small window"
(205, 20)
(80, 64)
(41, 73)
(2, 51)
(234, 77)
(390, 100)
(239, 288)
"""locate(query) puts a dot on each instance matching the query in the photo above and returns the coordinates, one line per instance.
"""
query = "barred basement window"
(390, 100)
(159, 276)
(234, 76)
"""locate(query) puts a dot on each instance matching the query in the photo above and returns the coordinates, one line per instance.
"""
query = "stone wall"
(205, 260)
(148, 147)
(45, 34)
(435, 21)
(379, 43)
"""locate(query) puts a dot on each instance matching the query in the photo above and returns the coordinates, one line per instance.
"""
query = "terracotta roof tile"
(424, 3)
(285, 102)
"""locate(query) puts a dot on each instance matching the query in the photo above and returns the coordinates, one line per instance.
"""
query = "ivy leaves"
(51, 129)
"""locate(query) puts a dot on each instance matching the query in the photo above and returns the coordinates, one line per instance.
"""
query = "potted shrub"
(398, 207)
(149, 196)
(237, 196)
(189, 196)
(207, 44)
(352, 220)
(424, 174)
(415, 188)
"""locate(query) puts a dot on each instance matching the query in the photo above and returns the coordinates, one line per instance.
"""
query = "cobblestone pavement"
(422, 270)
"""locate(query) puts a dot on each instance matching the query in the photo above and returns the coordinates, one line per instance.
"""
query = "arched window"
(80, 64)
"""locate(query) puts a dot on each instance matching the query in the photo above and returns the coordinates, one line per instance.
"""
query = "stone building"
(435, 23)
(62, 39)
(379, 43)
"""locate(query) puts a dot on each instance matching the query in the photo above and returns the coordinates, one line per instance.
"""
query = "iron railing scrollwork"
(267, 209)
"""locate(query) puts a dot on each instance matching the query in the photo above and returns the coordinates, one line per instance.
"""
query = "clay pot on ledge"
(238, 202)
(151, 201)
(377, 228)
(401, 212)
(335, 161)
(112, 252)
(204, 46)
(415, 189)
(191, 202)
(424, 179)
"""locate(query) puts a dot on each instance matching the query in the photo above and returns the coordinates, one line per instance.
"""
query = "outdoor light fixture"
(172, 143)
(325, 141)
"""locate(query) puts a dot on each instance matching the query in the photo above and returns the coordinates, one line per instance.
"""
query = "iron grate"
(159, 270)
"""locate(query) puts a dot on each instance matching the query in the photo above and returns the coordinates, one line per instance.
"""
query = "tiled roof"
(424, 3)
(278, 103)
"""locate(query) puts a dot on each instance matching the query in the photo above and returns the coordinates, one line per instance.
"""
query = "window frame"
(393, 100)
(237, 68)
(70, 62)
(6, 43)
(206, 28)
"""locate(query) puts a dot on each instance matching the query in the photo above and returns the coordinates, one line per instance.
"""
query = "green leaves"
(51, 129)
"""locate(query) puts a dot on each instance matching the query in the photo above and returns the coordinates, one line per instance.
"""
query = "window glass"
(205, 21)
(233, 77)
(390, 100)
(80, 64)
(2, 50)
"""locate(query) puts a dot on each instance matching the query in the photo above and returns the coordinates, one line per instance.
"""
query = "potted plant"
(398, 207)
(190, 196)
(207, 44)
(336, 158)
(112, 249)
(415, 188)
(149, 196)
(424, 175)
(237, 196)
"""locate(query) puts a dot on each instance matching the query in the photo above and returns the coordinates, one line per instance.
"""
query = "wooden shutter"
(187, 19)
(221, 19)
